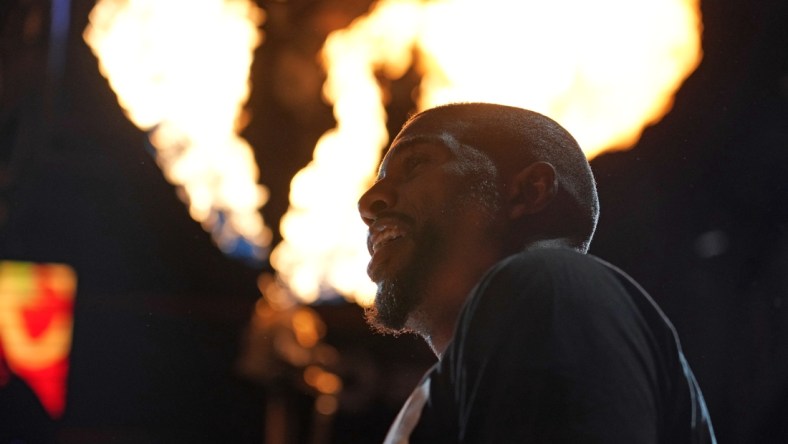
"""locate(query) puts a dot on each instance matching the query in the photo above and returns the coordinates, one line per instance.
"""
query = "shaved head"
(515, 138)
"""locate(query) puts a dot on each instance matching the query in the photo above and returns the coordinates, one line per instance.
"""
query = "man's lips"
(385, 230)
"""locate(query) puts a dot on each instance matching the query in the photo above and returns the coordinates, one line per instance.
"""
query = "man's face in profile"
(430, 195)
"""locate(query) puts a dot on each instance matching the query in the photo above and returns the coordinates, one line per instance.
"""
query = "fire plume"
(180, 69)
(604, 70)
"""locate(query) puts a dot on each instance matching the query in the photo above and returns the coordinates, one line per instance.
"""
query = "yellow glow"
(321, 380)
(180, 69)
(274, 294)
(308, 327)
(315, 255)
(603, 69)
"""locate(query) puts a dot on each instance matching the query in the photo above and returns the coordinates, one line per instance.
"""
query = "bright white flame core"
(603, 69)
(180, 69)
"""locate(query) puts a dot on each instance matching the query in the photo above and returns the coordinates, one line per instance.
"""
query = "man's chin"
(391, 309)
(384, 268)
(383, 325)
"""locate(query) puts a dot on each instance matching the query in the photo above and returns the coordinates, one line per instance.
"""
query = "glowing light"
(326, 404)
(308, 327)
(36, 320)
(322, 380)
(180, 69)
(605, 70)
(346, 156)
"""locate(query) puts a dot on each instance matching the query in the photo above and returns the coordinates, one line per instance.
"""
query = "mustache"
(399, 217)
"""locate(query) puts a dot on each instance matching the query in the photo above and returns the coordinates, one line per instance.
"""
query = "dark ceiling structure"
(697, 212)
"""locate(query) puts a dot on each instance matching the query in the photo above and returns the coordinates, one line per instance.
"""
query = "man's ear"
(532, 189)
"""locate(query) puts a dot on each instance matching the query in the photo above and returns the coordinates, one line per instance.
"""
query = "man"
(478, 224)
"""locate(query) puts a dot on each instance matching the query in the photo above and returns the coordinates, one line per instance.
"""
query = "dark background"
(696, 212)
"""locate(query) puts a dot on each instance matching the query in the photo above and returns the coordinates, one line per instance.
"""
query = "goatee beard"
(398, 297)
(392, 307)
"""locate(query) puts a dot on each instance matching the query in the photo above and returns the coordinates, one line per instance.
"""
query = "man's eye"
(412, 162)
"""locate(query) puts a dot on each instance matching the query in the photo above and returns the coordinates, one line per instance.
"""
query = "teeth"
(387, 234)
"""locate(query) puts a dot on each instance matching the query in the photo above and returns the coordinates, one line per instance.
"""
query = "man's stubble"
(398, 297)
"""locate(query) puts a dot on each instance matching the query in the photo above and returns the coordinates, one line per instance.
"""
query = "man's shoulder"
(562, 285)
(530, 283)
(541, 263)
(562, 319)
(555, 255)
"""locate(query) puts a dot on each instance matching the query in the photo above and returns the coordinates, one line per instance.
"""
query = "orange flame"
(604, 70)
(180, 69)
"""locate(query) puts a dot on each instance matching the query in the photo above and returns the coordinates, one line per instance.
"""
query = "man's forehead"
(408, 140)
(404, 142)
(428, 127)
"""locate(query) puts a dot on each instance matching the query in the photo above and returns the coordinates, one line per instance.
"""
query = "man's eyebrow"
(408, 142)
(444, 140)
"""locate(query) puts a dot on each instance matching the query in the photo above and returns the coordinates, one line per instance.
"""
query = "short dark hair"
(505, 131)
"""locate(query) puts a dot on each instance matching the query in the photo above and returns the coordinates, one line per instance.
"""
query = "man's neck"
(435, 318)
(436, 322)
(436, 328)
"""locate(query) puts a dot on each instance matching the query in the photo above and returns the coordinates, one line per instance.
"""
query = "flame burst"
(604, 70)
(180, 69)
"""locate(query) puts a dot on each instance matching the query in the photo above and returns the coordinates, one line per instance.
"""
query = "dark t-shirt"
(553, 346)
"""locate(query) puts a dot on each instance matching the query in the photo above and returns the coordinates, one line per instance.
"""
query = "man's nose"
(375, 200)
